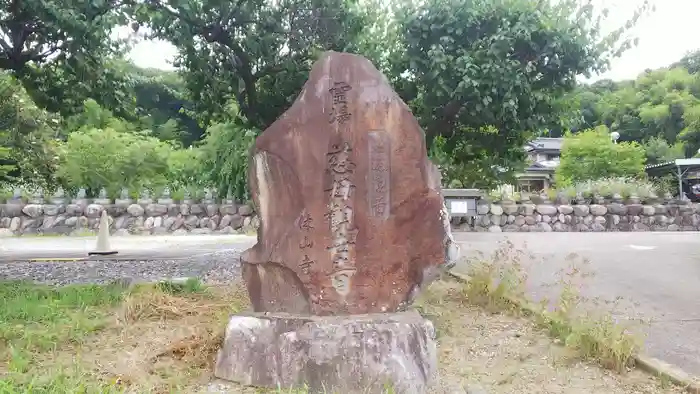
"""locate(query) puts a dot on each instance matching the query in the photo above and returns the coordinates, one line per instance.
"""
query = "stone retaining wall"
(582, 217)
(164, 216)
(126, 217)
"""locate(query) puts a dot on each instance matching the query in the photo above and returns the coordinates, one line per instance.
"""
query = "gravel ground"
(213, 268)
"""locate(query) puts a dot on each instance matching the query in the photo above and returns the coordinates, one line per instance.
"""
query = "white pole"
(680, 183)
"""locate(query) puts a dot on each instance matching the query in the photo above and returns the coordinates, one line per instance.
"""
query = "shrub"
(608, 187)
(592, 155)
(107, 158)
(225, 152)
(5, 164)
(185, 168)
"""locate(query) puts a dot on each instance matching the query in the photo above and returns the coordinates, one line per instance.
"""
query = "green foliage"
(185, 168)
(30, 134)
(60, 50)
(659, 151)
(5, 152)
(660, 109)
(482, 77)
(485, 74)
(162, 102)
(36, 31)
(485, 173)
(96, 158)
(189, 286)
(225, 154)
(105, 151)
(609, 187)
(591, 155)
(95, 116)
(257, 53)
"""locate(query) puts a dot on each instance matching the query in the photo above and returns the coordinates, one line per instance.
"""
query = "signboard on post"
(461, 202)
(459, 206)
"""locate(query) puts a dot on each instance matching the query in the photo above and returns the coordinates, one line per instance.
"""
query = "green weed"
(40, 317)
(497, 284)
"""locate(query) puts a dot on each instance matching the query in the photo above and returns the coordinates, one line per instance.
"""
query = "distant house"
(543, 155)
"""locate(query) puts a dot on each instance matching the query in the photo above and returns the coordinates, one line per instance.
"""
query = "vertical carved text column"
(340, 213)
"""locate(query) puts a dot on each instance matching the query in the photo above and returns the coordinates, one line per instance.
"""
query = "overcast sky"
(664, 37)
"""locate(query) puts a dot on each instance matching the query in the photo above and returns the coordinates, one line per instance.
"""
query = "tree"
(62, 87)
(163, 105)
(29, 135)
(58, 48)
(592, 155)
(659, 104)
(257, 53)
(659, 151)
(485, 74)
(690, 62)
(41, 31)
(225, 153)
(93, 116)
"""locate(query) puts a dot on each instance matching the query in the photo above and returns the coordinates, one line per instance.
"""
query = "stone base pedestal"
(349, 354)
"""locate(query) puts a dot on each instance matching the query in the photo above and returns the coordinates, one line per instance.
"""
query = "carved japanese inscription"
(305, 223)
(350, 211)
(339, 110)
(340, 216)
(380, 173)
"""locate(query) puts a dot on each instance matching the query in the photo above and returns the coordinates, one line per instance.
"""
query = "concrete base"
(351, 354)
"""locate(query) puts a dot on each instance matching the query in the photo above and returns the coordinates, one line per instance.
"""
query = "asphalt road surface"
(128, 248)
(658, 272)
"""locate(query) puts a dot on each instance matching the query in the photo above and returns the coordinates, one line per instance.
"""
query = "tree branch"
(297, 58)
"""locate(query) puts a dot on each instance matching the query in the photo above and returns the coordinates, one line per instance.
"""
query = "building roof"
(543, 143)
(545, 164)
(683, 164)
(695, 161)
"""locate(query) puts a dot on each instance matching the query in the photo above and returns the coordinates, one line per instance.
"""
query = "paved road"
(658, 271)
(129, 248)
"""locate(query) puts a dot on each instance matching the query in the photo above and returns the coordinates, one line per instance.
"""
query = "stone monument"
(353, 225)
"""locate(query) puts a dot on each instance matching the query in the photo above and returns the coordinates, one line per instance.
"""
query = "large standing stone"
(350, 205)
(352, 224)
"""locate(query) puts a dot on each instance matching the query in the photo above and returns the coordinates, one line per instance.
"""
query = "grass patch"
(115, 338)
(41, 318)
(498, 285)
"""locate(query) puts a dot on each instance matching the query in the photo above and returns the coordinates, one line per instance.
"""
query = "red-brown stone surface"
(352, 220)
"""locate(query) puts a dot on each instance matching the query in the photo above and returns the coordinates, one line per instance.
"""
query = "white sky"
(664, 37)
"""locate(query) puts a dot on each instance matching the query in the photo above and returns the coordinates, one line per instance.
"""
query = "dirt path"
(504, 354)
